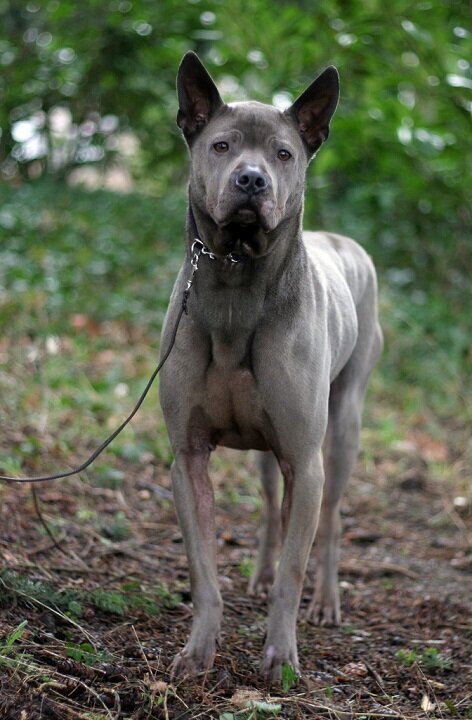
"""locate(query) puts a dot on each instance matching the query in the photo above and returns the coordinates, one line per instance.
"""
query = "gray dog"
(275, 354)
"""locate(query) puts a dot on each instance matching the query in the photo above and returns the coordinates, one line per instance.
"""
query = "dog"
(275, 355)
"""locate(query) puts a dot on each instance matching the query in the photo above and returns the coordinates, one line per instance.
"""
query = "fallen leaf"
(426, 704)
(243, 696)
(430, 448)
(156, 686)
(436, 684)
(355, 670)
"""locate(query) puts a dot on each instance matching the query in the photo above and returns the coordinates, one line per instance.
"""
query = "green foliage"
(433, 659)
(166, 597)
(258, 710)
(6, 649)
(430, 659)
(130, 598)
(59, 248)
(393, 171)
(32, 592)
(451, 707)
(246, 567)
(86, 653)
(109, 601)
(54, 240)
(115, 528)
(407, 657)
(108, 477)
(110, 65)
(290, 678)
(10, 656)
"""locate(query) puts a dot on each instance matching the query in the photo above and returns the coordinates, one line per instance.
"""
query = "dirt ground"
(403, 649)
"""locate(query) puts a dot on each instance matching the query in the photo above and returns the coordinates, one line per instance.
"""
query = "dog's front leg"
(300, 512)
(194, 500)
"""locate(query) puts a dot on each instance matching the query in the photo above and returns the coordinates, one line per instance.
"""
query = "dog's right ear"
(197, 94)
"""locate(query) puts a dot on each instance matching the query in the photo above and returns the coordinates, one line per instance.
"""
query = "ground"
(403, 649)
(90, 622)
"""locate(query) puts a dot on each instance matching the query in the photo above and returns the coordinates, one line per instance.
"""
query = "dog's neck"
(228, 298)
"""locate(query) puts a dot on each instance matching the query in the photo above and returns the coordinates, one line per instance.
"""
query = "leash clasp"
(198, 248)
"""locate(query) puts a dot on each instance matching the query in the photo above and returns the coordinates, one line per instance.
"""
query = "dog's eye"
(284, 155)
(221, 147)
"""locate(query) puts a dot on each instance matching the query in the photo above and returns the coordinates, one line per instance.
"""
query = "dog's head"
(249, 159)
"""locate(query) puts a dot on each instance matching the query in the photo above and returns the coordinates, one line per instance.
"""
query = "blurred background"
(93, 183)
(93, 174)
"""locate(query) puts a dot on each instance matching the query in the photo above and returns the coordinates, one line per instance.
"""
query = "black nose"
(251, 180)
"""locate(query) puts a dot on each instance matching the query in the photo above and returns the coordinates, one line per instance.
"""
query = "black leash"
(198, 249)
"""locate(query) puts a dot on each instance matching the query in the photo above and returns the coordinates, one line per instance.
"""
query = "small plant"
(257, 710)
(130, 597)
(74, 610)
(349, 630)
(430, 659)
(15, 658)
(109, 601)
(86, 653)
(29, 593)
(246, 567)
(138, 599)
(290, 677)
(6, 650)
(451, 707)
(116, 528)
(10, 465)
(108, 477)
(407, 657)
(166, 597)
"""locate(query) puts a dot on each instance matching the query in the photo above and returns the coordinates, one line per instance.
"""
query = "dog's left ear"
(313, 110)
(197, 94)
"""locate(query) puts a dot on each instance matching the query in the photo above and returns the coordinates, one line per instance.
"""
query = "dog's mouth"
(242, 236)
(244, 217)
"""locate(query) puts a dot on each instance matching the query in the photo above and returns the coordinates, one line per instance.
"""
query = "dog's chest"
(232, 400)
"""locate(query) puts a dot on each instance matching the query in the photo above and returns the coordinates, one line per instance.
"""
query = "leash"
(198, 249)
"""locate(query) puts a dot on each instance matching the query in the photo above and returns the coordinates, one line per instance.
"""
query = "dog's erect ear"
(315, 107)
(197, 94)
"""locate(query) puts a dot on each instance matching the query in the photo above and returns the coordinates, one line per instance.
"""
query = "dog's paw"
(274, 658)
(192, 660)
(261, 581)
(325, 609)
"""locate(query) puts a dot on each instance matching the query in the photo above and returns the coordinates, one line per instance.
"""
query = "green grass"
(430, 659)
(102, 255)
(8, 653)
(129, 599)
(84, 277)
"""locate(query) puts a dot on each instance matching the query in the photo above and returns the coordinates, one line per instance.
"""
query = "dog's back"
(347, 255)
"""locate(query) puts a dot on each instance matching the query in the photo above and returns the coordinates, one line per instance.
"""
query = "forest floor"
(89, 626)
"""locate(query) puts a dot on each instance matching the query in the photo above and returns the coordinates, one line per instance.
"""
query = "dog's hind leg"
(340, 453)
(269, 534)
